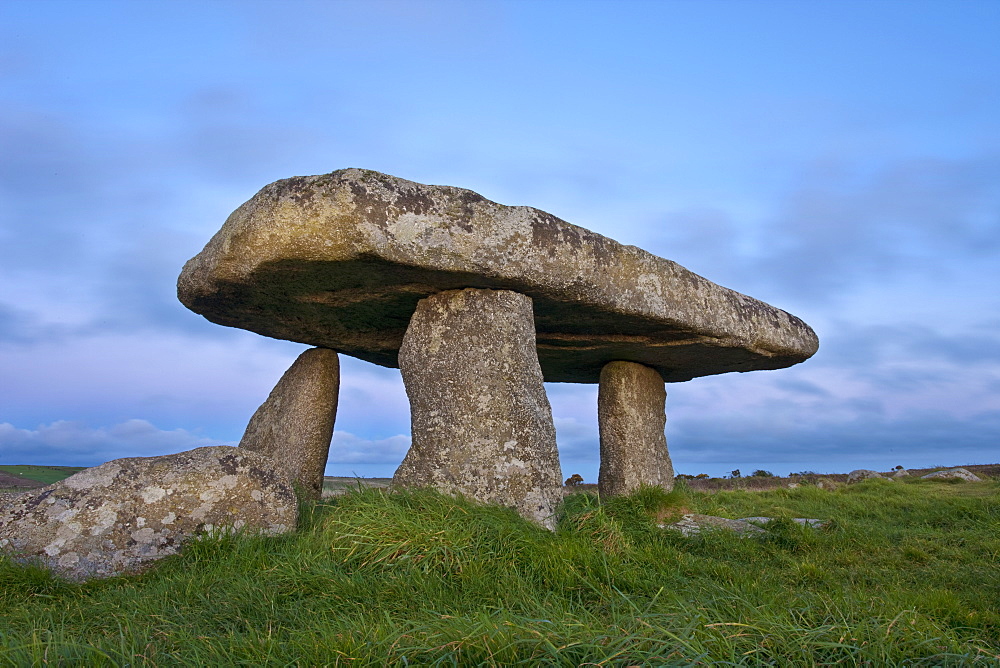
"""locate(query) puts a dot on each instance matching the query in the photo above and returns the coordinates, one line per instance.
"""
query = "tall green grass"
(903, 574)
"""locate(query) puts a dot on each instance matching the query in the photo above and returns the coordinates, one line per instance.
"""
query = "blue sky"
(840, 160)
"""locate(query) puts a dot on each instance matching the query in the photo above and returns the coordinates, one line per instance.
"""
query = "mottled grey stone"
(694, 523)
(294, 426)
(858, 475)
(341, 261)
(481, 423)
(121, 516)
(631, 416)
(953, 474)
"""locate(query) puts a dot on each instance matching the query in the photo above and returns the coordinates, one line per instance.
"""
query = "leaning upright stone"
(481, 423)
(294, 426)
(631, 414)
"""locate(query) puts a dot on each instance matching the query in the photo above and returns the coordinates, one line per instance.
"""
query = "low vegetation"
(45, 475)
(902, 573)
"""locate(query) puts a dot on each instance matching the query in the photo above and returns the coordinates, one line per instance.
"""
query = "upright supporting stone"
(294, 426)
(631, 413)
(481, 423)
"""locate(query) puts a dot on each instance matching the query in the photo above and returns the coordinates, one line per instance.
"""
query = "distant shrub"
(701, 476)
(761, 473)
(802, 473)
(574, 480)
(735, 473)
(684, 476)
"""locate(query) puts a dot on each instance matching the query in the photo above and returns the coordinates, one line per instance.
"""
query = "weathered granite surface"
(120, 516)
(341, 261)
(481, 421)
(631, 419)
(294, 426)
(953, 474)
(694, 523)
(858, 475)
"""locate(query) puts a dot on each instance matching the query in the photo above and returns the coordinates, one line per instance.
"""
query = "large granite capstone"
(341, 261)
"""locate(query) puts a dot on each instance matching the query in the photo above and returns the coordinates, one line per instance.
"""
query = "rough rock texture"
(341, 261)
(294, 426)
(630, 410)
(481, 422)
(804, 521)
(864, 474)
(120, 516)
(694, 523)
(953, 474)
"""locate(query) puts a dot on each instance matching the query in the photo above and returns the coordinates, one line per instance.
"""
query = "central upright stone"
(631, 411)
(481, 422)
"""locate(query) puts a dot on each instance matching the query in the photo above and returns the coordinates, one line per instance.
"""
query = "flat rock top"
(341, 260)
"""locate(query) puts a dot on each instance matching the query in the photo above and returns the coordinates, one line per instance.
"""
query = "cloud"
(71, 443)
(346, 449)
(874, 397)
(871, 212)
(169, 379)
(66, 443)
(841, 227)
(720, 443)
(844, 225)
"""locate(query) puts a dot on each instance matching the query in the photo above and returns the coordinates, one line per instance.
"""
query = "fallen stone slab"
(341, 260)
(804, 521)
(694, 523)
(953, 474)
(121, 516)
(859, 475)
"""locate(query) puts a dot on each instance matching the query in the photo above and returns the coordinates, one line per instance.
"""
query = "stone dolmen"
(477, 304)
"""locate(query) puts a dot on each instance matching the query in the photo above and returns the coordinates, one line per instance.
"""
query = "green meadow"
(43, 474)
(903, 573)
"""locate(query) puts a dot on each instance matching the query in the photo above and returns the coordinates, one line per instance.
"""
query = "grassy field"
(43, 474)
(904, 574)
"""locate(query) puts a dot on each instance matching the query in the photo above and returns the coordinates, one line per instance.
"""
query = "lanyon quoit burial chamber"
(477, 304)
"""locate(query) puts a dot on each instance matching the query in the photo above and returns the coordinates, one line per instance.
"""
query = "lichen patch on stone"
(108, 528)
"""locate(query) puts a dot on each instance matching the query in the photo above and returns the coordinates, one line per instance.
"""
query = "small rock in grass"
(694, 523)
(864, 474)
(953, 474)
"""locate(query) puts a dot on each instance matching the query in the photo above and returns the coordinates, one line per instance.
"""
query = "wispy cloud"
(65, 443)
